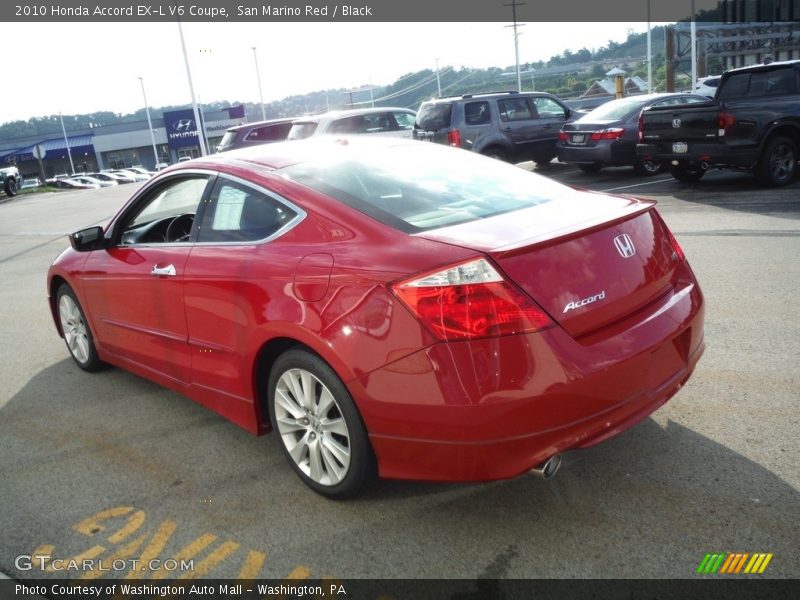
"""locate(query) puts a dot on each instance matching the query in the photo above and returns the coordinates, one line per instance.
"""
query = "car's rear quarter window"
(432, 117)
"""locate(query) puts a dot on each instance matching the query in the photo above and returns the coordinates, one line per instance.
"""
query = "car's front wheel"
(686, 173)
(647, 167)
(318, 425)
(11, 187)
(77, 334)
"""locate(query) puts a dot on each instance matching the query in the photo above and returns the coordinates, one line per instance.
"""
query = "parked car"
(253, 134)
(30, 182)
(384, 122)
(504, 125)
(707, 86)
(93, 180)
(134, 175)
(388, 304)
(607, 136)
(112, 175)
(141, 171)
(10, 180)
(73, 184)
(751, 125)
(160, 166)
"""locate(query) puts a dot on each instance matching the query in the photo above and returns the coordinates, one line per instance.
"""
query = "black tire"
(309, 433)
(77, 334)
(778, 163)
(686, 173)
(11, 187)
(590, 167)
(647, 167)
(543, 161)
(496, 152)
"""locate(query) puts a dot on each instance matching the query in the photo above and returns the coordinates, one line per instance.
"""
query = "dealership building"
(120, 146)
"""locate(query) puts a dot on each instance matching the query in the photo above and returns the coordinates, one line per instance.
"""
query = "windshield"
(614, 110)
(419, 187)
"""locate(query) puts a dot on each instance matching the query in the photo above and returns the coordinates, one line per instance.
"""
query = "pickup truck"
(753, 124)
(10, 180)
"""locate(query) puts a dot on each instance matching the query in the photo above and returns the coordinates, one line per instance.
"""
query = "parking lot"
(111, 466)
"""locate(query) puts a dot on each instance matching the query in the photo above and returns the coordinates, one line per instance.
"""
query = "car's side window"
(355, 124)
(515, 109)
(693, 100)
(549, 108)
(166, 214)
(239, 213)
(404, 120)
(477, 113)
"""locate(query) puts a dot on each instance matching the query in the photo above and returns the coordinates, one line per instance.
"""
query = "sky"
(78, 68)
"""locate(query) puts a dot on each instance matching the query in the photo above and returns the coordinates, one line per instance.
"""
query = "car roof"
(337, 114)
(255, 124)
(761, 66)
(501, 94)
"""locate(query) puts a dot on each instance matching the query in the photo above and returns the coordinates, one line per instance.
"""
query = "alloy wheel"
(74, 328)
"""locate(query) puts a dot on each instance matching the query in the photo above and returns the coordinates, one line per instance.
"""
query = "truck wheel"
(496, 153)
(11, 187)
(590, 167)
(686, 173)
(778, 163)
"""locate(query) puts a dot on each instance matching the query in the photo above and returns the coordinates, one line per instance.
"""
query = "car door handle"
(507, 129)
(169, 270)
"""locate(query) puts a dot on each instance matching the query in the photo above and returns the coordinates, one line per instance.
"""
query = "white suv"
(391, 122)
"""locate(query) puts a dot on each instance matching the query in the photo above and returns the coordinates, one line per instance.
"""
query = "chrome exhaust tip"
(548, 468)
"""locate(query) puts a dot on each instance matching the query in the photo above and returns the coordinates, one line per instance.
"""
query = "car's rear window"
(432, 117)
(614, 110)
(269, 133)
(416, 188)
(301, 131)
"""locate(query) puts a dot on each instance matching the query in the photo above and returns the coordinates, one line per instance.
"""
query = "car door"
(552, 115)
(236, 281)
(135, 286)
(519, 123)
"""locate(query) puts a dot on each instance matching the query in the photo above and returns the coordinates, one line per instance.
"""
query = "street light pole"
(258, 79)
(438, 81)
(66, 141)
(200, 137)
(149, 125)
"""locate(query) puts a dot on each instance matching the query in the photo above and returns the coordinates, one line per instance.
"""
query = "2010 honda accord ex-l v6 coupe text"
(388, 307)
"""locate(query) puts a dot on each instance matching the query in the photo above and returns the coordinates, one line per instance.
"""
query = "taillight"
(612, 133)
(468, 301)
(454, 138)
(562, 136)
(641, 126)
(676, 247)
(725, 120)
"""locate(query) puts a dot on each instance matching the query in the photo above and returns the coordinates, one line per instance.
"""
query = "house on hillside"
(605, 87)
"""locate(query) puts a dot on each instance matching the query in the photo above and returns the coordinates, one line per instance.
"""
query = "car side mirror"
(88, 239)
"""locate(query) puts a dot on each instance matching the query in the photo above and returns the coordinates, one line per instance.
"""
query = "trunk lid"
(680, 123)
(585, 272)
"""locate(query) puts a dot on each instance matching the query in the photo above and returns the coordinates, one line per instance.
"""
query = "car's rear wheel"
(77, 334)
(687, 173)
(318, 425)
(11, 187)
(647, 167)
(590, 167)
(778, 163)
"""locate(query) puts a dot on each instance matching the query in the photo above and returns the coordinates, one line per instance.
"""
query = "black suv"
(252, 134)
(509, 126)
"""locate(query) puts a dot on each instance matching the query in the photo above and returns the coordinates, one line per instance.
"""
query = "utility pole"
(649, 52)
(201, 138)
(260, 93)
(514, 4)
(66, 141)
(438, 81)
(694, 50)
(149, 125)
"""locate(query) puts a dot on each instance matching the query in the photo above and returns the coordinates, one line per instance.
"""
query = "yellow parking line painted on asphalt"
(300, 572)
(154, 547)
(43, 554)
(252, 565)
(211, 561)
(765, 563)
(188, 552)
(94, 524)
(135, 521)
(124, 552)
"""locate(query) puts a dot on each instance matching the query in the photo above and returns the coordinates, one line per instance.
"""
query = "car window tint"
(694, 100)
(240, 213)
(515, 109)
(668, 102)
(549, 108)
(432, 117)
(300, 131)
(269, 133)
(735, 86)
(419, 187)
(176, 197)
(477, 113)
(776, 82)
(404, 120)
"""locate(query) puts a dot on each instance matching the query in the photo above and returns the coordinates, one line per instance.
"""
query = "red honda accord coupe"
(388, 307)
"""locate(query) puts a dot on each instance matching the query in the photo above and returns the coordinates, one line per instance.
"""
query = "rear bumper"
(712, 154)
(495, 408)
(606, 152)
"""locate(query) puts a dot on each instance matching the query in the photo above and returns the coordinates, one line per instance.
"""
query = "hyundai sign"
(181, 129)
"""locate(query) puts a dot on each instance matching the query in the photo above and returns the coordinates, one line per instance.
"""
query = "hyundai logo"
(676, 123)
(624, 245)
(183, 125)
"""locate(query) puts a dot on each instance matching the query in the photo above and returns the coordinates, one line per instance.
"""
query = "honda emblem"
(624, 245)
